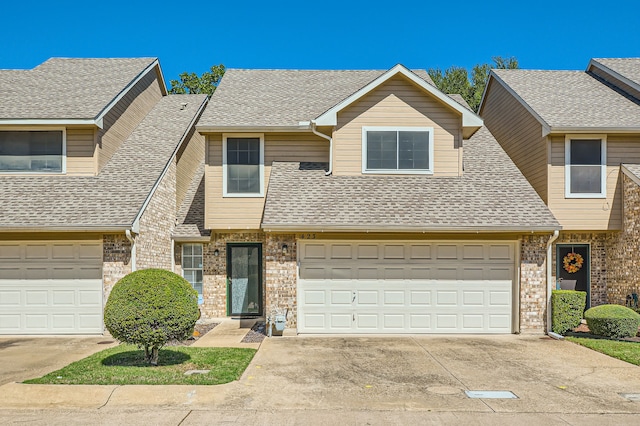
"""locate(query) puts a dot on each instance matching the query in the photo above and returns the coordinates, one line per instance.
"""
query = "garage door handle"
(354, 297)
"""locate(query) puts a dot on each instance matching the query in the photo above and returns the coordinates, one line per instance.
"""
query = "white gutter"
(251, 129)
(433, 229)
(132, 239)
(550, 287)
(98, 228)
(312, 126)
(51, 122)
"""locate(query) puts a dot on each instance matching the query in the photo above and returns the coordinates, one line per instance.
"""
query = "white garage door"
(406, 287)
(51, 287)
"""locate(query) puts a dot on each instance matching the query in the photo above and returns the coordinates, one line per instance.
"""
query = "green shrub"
(150, 307)
(612, 321)
(567, 307)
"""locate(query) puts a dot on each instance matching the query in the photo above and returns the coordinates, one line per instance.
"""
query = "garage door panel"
(430, 287)
(51, 287)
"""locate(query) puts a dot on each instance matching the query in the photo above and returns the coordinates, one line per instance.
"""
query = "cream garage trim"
(406, 287)
(51, 287)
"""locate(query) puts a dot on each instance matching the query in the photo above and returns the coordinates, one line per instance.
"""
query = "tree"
(190, 83)
(150, 307)
(456, 79)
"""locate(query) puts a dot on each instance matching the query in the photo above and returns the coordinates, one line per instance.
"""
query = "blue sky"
(192, 36)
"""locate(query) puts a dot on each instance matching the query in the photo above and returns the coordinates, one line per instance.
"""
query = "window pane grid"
(192, 267)
(397, 150)
(243, 165)
(585, 166)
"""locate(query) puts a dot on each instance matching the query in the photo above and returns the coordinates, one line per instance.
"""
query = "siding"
(591, 214)
(246, 213)
(398, 103)
(81, 160)
(189, 158)
(519, 134)
(125, 116)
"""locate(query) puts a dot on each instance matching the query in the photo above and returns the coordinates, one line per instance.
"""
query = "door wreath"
(572, 262)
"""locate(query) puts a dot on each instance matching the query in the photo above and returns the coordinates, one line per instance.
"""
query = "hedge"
(612, 321)
(567, 307)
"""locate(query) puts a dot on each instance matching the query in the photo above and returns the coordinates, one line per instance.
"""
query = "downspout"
(322, 135)
(550, 286)
(132, 240)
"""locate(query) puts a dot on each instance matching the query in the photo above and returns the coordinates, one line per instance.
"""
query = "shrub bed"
(612, 321)
(567, 307)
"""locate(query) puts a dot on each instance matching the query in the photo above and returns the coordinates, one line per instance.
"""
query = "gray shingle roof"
(633, 169)
(492, 194)
(115, 196)
(62, 88)
(627, 67)
(572, 99)
(247, 98)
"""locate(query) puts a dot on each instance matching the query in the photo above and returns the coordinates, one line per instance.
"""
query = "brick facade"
(533, 283)
(153, 244)
(623, 248)
(116, 260)
(281, 276)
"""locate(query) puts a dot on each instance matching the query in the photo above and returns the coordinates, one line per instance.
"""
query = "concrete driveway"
(362, 380)
(23, 358)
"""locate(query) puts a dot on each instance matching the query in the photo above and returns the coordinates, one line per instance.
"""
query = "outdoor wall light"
(285, 249)
(216, 252)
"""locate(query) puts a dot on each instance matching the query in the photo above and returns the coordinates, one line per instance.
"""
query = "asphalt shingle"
(627, 67)
(63, 88)
(491, 194)
(255, 98)
(572, 99)
(115, 196)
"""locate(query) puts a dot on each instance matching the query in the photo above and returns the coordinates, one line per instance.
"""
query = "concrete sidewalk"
(228, 334)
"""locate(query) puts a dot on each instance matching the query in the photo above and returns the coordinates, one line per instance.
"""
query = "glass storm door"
(244, 279)
(581, 275)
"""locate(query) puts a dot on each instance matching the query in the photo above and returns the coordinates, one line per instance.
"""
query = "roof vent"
(183, 106)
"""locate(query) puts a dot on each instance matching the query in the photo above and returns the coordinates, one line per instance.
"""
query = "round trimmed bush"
(150, 307)
(612, 321)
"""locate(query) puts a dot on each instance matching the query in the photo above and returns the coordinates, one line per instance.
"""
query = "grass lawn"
(626, 351)
(125, 365)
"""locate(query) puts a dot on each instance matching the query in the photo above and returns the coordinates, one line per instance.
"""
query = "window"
(192, 267)
(585, 166)
(243, 165)
(33, 151)
(406, 150)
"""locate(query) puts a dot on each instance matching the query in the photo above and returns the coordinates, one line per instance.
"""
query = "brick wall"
(623, 248)
(153, 244)
(116, 260)
(533, 283)
(281, 276)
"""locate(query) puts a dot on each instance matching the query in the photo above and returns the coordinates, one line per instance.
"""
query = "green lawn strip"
(626, 351)
(125, 365)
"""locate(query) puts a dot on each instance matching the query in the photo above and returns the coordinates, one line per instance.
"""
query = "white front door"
(51, 287)
(406, 287)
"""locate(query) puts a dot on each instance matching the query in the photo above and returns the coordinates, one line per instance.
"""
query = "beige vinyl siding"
(519, 134)
(398, 103)
(125, 116)
(81, 160)
(595, 214)
(246, 213)
(189, 158)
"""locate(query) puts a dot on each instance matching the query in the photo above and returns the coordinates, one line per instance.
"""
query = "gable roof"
(626, 68)
(115, 198)
(566, 101)
(289, 99)
(69, 91)
(492, 195)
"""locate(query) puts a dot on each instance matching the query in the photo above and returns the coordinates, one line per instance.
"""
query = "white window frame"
(183, 269)
(366, 129)
(567, 165)
(226, 136)
(41, 129)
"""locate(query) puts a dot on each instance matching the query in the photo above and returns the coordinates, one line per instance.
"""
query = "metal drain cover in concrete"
(491, 394)
(631, 396)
